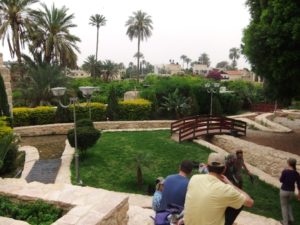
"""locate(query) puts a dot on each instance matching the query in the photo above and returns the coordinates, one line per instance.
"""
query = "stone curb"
(274, 126)
(31, 156)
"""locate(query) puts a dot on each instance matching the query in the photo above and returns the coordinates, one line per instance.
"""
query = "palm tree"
(97, 20)
(234, 54)
(187, 60)
(13, 18)
(51, 36)
(183, 57)
(204, 59)
(140, 27)
(92, 66)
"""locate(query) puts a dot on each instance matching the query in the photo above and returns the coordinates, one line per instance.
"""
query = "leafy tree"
(110, 70)
(14, 15)
(112, 106)
(4, 106)
(50, 36)
(139, 26)
(271, 43)
(223, 65)
(183, 58)
(204, 59)
(234, 54)
(97, 20)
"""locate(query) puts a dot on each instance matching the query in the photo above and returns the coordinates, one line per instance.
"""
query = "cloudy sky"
(188, 27)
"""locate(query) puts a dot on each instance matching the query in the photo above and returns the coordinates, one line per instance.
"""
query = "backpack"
(161, 217)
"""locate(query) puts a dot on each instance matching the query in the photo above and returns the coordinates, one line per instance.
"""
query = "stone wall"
(62, 128)
(7, 81)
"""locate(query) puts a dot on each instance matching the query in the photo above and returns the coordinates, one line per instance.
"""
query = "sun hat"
(216, 159)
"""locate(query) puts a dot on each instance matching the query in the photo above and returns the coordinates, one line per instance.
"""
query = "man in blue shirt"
(175, 186)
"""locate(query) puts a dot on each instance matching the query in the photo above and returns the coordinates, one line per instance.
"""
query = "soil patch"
(49, 147)
(289, 142)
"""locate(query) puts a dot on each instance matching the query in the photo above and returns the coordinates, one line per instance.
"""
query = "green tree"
(187, 61)
(271, 43)
(204, 59)
(50, 36)
(97, 20)
(139, 26)
(234, 54)
(223, 65)
(14, 14)
(92, 66)
(112, 104)
(4, 106)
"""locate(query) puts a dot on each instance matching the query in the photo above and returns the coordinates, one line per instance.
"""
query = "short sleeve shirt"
(207, 199)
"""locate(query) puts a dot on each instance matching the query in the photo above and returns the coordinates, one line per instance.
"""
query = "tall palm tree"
(97, 20)
(13, 17)
(140, 27)
(92, 66)
(51, 36)
(234, 54)
(183, 57)
(187, 60)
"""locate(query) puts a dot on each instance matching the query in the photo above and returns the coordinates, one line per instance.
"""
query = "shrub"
(33, 116)
(86, 137)
(35, 213)
(4, 128)
(42, 115)
(230, 103)
(22, 116)
(4, 107)
(138, 109)
(84, 123)
(112, 105)
(8, 153)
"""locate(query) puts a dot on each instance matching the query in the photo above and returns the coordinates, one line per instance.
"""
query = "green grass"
(110, 165)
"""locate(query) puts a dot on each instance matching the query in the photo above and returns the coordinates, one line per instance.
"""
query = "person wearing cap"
(209, 195)
(156, 200)
(175, 186)
(289, 177)
(240, 165)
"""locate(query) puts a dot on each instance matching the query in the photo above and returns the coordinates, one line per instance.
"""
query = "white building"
(200, 69)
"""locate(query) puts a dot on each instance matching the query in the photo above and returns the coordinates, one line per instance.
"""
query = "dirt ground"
(289, 142)
(49, 147)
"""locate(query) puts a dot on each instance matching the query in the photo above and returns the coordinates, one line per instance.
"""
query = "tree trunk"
(139, 176)
(138, 59)
(97, 43)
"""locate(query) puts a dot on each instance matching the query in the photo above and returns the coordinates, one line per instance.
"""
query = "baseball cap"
(216, 159)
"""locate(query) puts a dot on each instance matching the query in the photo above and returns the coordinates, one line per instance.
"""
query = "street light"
(87, 93)
(212, 88)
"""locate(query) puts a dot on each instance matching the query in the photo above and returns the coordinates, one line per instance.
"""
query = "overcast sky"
(188, 27)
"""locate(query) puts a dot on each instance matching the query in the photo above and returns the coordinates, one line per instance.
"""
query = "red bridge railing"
(190, 128)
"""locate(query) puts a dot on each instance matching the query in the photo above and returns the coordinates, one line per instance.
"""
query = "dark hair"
(239, 152)
(186, 166)
(216, 169)
(292, 162)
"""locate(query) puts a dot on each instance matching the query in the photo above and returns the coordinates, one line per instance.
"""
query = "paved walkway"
(44, 171)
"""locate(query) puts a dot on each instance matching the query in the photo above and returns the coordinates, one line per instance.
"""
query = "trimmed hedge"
(98, 111)
(138, 109)
(33, 116)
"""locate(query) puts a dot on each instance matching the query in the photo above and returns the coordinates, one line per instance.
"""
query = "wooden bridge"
(193, 127)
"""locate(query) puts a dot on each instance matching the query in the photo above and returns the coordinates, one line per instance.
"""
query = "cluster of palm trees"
(45, 32)
(203, 59)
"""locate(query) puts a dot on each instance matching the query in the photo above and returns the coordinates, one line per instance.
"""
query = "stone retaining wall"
(62, 128)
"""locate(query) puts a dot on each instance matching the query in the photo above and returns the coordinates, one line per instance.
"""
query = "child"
(158, 194)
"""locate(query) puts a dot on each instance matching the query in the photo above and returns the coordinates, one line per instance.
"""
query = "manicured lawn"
(110, 165)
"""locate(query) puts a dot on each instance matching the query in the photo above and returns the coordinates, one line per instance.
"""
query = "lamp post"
(87, 92)
(212, 88)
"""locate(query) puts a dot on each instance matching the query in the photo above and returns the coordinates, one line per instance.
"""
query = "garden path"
(44, 171)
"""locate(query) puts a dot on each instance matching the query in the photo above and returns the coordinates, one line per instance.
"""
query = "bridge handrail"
(211, 124)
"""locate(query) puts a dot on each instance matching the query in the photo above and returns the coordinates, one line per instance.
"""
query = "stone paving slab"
(31, 156)
(44, 171)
